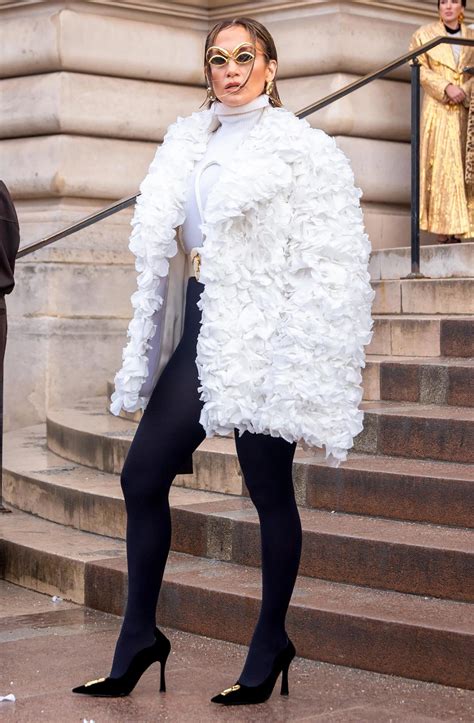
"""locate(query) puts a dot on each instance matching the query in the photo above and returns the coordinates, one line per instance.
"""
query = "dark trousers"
(3, 343)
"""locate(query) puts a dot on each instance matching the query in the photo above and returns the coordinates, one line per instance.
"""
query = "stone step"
(437, 380)
(439, 261)
(429, 380)
(48, 557)
(404, 556)
(38, 481)
(424, 296)
(392, 487)
(418, 431)
(377, 630)
(37, 634)
(420, 490)
(87, 434)
(425, 336)
(447, 342)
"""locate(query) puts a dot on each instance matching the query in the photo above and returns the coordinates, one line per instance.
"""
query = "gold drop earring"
(269, 87)
(461, 17)
(210, 94)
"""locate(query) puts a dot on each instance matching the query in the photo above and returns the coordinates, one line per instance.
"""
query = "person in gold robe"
(446, 202)
(470, 148)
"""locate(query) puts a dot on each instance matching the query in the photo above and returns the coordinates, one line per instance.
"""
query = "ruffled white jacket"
(287, 297)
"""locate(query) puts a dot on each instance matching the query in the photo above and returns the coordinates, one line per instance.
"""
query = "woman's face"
(227, 78)
(450, 10)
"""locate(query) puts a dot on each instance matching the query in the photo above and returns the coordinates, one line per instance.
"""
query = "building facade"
(87, 91)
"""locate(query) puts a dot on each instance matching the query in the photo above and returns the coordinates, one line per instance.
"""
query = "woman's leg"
(266, 464)
(168, 433)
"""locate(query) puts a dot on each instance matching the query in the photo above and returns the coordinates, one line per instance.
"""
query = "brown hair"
(463, 3)
(257, 31)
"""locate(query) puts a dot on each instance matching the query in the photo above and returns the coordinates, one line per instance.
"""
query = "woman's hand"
(454, 93)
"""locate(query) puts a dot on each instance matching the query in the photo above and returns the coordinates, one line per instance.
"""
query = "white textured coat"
(287, 297)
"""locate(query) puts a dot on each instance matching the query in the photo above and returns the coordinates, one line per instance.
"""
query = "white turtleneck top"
(235, 123)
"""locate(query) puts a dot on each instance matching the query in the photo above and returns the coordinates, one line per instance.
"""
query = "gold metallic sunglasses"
(242, 54)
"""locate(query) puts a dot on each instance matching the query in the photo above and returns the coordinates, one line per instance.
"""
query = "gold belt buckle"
(196, 262)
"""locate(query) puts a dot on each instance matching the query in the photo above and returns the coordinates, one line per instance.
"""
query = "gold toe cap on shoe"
(220, 697)
(93, 682)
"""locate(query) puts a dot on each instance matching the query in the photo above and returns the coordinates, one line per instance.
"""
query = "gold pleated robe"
(446, 203)
(470, 148)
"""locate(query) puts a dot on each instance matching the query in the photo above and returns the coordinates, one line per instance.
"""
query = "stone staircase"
(386, 579)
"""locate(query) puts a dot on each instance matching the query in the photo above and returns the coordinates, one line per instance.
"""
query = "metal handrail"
(84, 223)
(381, 72)
(327, 100)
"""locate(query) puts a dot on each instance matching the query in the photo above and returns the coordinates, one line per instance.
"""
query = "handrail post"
(415, 171)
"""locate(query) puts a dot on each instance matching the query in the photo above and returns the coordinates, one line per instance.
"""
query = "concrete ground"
(48, 647)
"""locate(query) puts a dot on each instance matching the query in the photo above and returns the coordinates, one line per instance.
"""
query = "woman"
(446, 204)
(469, 178)
(277, 312)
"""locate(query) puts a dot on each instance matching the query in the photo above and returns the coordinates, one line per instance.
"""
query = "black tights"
(168, 434)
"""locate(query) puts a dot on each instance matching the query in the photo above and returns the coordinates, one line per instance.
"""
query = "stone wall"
(88, 90)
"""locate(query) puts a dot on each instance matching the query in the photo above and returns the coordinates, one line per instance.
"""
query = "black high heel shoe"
(240, 694)
(123, 685)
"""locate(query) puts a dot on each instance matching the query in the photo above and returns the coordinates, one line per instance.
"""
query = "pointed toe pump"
(240, 694)
(124, 684)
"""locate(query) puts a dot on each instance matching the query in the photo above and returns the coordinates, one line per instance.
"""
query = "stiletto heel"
(162, 677)
(124, 684)
(240, 694)
(284, 681)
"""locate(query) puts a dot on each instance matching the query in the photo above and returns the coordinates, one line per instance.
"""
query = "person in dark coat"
(9, 243)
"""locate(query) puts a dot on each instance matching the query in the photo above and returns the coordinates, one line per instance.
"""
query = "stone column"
(86, 97)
